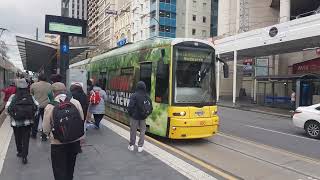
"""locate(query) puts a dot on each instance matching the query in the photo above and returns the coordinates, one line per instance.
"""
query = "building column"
(255, 90)
(218, 80)
(234, 87)
(285, 7)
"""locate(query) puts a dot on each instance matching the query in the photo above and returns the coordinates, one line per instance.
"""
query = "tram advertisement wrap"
(121, 76)
(119, 100)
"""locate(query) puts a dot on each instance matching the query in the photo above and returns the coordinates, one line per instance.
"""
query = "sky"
(22, 17)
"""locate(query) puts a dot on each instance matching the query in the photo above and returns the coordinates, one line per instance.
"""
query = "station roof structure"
(287, 37)
(35, 55)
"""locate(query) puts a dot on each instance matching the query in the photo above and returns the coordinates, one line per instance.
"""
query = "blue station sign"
(122, 42)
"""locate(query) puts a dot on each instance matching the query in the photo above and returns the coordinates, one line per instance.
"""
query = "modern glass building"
(163, 16)
(214, 18)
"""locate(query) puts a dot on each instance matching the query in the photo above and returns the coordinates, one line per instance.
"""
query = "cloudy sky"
(22, 17)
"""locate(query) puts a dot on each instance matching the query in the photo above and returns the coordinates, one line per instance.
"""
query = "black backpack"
(67, 124)
(22, 107)
(145, 107)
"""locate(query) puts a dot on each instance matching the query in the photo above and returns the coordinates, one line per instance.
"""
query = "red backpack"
(95, 97)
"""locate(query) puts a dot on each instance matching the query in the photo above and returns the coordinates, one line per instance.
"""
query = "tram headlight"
(214, 113)
(183, 113)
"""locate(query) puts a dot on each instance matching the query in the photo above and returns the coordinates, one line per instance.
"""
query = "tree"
(3, 50)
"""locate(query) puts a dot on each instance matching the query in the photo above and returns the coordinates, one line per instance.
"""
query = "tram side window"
(162, 83)
(145, 75)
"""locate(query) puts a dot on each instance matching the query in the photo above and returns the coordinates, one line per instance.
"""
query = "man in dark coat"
(137, 120)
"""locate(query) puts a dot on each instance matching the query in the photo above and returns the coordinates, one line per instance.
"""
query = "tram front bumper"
(193, 128)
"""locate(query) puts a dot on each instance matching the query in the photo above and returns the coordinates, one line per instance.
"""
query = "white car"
(308, 118)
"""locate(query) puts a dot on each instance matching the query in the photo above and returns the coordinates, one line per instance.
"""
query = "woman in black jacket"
(78, 94)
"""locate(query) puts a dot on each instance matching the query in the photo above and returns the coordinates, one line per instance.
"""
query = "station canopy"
(37, 55)
(292, 36)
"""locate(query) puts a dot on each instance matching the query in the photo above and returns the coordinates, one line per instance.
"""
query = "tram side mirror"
(225, 70)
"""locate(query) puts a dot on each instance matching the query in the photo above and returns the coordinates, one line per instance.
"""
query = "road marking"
(270, 148)
(270, 130)
(5, 138)
(176, 163)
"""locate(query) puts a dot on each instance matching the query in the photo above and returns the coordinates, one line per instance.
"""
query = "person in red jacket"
(8, 91)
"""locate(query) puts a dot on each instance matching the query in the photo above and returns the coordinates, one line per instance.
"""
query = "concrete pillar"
(234, 87)
(218, 80)
(298, 93)
(285, 10)
(255, 90)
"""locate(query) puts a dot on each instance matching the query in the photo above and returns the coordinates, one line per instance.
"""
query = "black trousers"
(97, 119)
(63, 157)
(36, 121)
(22, 136)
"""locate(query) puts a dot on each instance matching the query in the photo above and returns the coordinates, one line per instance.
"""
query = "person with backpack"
(22, 108)
(64, 121)
(140, 107)
(97, 104)
(40, 91)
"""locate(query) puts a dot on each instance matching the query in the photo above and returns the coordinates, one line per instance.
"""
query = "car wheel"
(312, 129)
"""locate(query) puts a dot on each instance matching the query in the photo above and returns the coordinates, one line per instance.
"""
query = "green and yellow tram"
(180, 79)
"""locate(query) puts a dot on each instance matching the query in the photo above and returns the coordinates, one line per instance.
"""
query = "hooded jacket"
(135, 99)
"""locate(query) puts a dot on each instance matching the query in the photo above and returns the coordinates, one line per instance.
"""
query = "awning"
(287, 37)
(34, 54)
(38, 55)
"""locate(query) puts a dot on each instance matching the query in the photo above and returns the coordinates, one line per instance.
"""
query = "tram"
(180, 79)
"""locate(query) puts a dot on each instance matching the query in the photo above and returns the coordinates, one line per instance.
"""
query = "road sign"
(65, 48)
(122, 42)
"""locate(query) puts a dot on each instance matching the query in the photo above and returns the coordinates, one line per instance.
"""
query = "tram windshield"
(194, 76)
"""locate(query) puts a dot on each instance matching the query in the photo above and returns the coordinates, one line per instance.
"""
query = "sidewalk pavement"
(105, 156)
(247, 106)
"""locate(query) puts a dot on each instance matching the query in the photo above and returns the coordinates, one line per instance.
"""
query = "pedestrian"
(140, 107)
(22, 108)
(40, 91)
(63, 120)
(11, 89)
(97, 101)
(78, 94)
(293, 100)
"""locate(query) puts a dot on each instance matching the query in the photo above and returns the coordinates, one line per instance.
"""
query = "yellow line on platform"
(270, 148)
(185, 155)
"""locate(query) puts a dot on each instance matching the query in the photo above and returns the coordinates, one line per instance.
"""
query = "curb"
(257, 111)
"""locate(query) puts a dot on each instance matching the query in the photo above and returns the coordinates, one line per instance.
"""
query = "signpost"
(65, 27)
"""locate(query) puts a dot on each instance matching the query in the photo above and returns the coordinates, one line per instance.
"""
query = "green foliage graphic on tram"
(121, 72)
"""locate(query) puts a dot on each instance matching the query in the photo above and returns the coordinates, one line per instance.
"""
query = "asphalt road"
(270, 130)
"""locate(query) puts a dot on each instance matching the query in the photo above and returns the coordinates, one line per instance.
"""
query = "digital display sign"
(59, 27)
(193, 56)
(65, 26)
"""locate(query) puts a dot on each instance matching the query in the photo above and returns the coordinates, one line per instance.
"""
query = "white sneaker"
(140, 149)
(131, 148)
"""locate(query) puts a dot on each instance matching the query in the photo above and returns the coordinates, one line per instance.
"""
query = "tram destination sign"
(65, 26)
(192, 56)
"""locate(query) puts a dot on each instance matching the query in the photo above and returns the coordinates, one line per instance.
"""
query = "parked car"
(308, 118)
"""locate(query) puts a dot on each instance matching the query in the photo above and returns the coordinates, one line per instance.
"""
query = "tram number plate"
(202, 123)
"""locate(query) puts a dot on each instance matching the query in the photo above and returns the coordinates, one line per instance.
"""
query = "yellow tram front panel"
(193, 122)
